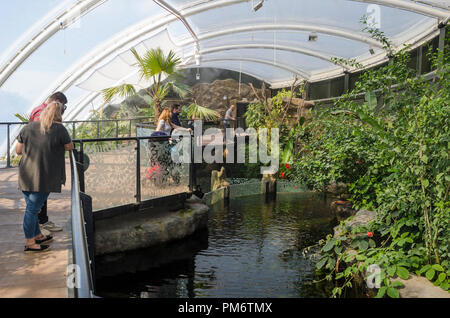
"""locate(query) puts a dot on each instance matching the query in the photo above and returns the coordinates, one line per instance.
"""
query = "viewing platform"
(32, 275)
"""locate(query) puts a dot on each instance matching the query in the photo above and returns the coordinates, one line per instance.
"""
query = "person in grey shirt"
(228, 120)
(42, 170)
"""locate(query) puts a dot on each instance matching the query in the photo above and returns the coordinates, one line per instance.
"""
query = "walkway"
(31, 276)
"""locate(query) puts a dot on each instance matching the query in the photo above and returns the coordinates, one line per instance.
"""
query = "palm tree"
(152, 66)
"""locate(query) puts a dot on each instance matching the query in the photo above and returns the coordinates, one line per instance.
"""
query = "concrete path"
(31, 276)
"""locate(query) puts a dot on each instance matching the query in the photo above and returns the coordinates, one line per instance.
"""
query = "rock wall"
(211, 95)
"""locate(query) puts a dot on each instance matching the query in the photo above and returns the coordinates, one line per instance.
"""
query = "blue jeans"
(34, 201)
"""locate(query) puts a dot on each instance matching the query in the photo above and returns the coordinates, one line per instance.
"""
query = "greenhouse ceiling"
(83, 46)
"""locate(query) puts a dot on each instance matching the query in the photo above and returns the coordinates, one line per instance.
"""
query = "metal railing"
(83, 278)
(94, 132)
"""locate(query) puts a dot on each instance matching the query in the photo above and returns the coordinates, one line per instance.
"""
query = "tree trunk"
(157, 110)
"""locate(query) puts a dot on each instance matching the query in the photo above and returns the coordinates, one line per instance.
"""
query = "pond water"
(252, 249)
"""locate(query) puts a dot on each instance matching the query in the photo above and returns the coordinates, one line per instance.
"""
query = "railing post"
(192, 176)
(129, 133)
(86, 203)
(81, 174)
(73, 131)
(8, 148)
(138, 170)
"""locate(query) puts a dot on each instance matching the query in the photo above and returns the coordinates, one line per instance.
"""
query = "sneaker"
(52, 227)
(44, 231)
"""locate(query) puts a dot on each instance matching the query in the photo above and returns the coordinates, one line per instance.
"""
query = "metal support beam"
(419, 60)
(441, 47)
(316, 54)
(346, 82)
(289, 68)
(169, 8)
(45, 33)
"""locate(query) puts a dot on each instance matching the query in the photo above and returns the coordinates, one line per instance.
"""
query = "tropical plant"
(23, 118)
(199, 112)
(392, 152)
(153, 66)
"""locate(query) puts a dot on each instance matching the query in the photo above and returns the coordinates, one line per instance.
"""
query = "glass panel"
(18, 16)
(68, 46)
(160, 174)
(335, 13)
(111, 176)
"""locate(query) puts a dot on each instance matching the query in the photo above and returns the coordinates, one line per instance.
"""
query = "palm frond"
(200, 112)
(125, 90)
(23, 118)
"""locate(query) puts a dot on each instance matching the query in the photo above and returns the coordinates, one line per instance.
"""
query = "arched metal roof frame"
(46, 32)
(188, 10)
(338, 32)
(83, 6)
(84, 101)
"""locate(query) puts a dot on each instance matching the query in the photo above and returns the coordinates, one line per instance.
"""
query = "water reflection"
(252, 249)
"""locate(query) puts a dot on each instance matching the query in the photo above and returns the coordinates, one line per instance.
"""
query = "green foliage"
(153, 65)
(199, 112)
(23, 118)
(392, 151)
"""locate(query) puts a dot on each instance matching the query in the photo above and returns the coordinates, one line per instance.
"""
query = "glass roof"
(82, 46)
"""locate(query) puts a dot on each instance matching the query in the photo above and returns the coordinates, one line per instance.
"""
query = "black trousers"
(42, 216)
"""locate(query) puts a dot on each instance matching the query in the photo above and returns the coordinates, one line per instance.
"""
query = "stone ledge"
(420, 287)
(141, 230)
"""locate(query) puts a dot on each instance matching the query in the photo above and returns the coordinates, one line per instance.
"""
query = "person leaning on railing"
(42, 170)
(44, 222)
(165, 125)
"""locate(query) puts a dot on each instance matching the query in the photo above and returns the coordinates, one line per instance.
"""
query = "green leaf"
(391, 271)
(430, 274)
(438, 268)
(397, 284)
(425, 159)
(372, 243)
(445, 285)
(363, 245)
(393, 293)
(361, 257)
(381, 292)
(441, 277)
(328, 246)
(371, 100)
(402, 272)
(424, 269)
(425, 183)
(322, 262)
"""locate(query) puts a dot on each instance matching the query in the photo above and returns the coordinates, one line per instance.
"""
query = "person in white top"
(165, 125)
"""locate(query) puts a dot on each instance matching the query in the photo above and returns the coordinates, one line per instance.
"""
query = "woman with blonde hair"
(41, 169)
(165, 125)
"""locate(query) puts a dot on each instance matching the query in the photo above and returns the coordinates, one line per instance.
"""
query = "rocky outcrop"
(362, 217)
(212, 95)
(342, 209)
(420, 287)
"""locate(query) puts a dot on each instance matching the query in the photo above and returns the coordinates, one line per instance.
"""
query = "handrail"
(73, 123)
(85, 286)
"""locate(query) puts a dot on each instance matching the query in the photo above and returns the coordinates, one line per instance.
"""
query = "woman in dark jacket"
(42, 169)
